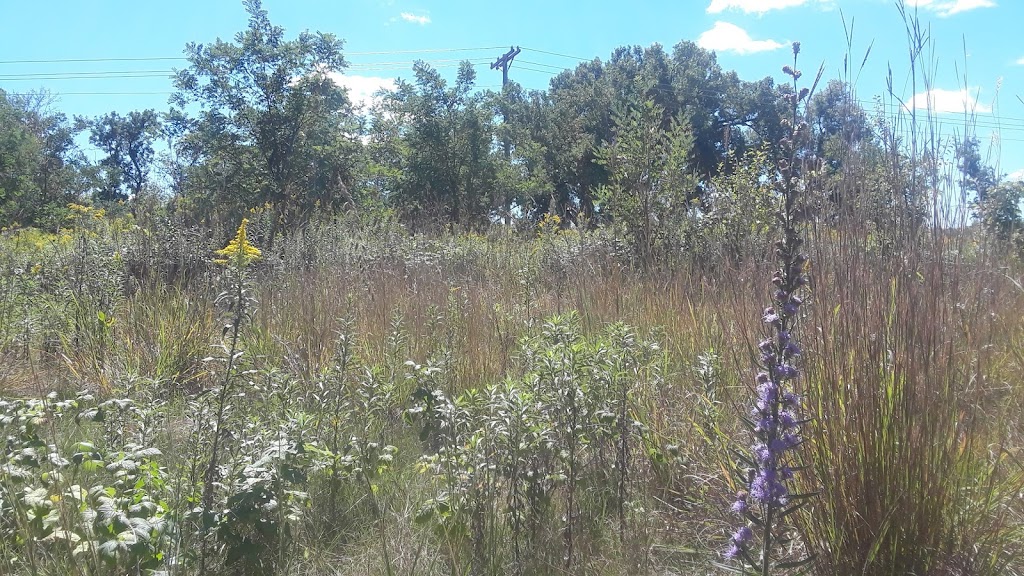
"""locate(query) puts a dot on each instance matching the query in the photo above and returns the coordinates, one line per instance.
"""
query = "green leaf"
(796, 563)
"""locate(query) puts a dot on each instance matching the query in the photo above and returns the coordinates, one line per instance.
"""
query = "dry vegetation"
(400, 406)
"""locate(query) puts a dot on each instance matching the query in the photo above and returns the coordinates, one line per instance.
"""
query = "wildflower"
(239, 251)
(773, 418)
(740, 506)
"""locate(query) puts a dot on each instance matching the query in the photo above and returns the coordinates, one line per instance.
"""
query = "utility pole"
(504, 62)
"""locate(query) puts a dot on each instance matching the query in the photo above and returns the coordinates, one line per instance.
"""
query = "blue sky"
(975, 58)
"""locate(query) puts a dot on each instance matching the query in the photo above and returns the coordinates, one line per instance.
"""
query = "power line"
(1001, 123)
(425, 51)
(97, 93)
(560, 68)
(408, 62)
(536, 70)
(124, 76)
(165, 58)
(79, 60)
(31, 74)
(357, 67)
(558, 54)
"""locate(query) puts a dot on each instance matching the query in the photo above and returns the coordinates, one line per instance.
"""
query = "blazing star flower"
(785, 372)
(740, 506)
(786, 420)
(773, 418)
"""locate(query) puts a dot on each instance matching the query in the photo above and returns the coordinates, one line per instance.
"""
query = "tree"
(839, 124)
(41, 167)
(128, 142)
(1000, 213)
(726, 115)
(649, 178)
(273, 127)
(520, 172)
(19, 156)
(435, 144)
(976, 176)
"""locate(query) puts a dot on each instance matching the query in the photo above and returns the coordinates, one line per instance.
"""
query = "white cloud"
(1020, 61)
(946, 8)
(1017, 176)
(748, 6)
(361, 89)
(725, 37)
(948, 101)
(415, 18)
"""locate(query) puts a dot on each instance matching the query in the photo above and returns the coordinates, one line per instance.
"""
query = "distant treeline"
(643, 139)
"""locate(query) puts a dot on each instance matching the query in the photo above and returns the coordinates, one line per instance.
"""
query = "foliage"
(100, 503)
(533, 443)
(443, 358)
(739, 210)
(512, 458)
(649, 186)
(999, 211)
(128, 142)
(41, 168)
(273, 125)
(439, 140)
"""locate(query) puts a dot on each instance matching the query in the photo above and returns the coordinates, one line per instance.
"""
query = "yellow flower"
(239, 251)
(549, 224)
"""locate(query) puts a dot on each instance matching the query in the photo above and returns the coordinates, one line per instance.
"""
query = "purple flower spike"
(774, 418)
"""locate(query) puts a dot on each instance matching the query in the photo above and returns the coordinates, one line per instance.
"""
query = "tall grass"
(909, 441)
(912, 367)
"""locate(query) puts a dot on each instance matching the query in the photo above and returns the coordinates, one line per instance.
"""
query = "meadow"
(363, 400)
(812, 366)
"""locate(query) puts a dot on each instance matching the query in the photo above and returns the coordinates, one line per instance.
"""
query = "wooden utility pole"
(504, 62)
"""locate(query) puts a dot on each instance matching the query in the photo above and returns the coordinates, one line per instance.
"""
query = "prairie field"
(651, 319)
(369, 401)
